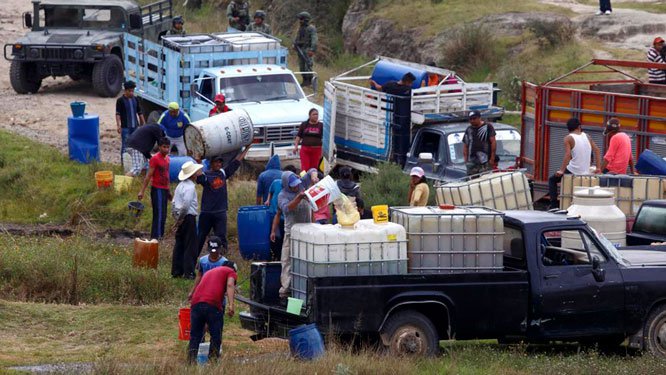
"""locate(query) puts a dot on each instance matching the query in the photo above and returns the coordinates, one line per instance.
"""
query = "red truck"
(605, 92)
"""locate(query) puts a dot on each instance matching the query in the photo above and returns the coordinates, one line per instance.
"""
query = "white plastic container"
(221, 134)
(597, 207)
(467, 239)
(331, 250)
(501, 191)
(322, 193)
(241, 42)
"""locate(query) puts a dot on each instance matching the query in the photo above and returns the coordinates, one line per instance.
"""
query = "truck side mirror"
(598, 272)
(27, 20)
(136, 22)
(425, 157)
(193, 90)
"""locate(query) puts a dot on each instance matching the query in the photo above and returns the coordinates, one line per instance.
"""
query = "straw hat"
(188, 169)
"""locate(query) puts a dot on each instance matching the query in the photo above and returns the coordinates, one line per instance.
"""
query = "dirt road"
(43, 116)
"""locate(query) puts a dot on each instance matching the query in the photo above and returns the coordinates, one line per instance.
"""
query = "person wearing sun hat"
(174, 121)
(185, 206)
(419, 192)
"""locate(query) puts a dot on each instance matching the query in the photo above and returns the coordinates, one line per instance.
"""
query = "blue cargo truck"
(250, 69)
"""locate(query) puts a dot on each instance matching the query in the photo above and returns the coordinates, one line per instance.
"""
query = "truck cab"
(650, 224)
(438, 149)
(271, 96)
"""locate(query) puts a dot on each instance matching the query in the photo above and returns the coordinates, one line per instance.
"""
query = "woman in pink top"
(618, 155)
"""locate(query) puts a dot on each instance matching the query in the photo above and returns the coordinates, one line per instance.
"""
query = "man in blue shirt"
(128, 114)
(174, 122)
(214, 258)
(267, 177)
(214, 201)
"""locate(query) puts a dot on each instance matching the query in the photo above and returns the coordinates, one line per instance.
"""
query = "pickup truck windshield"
(260, 88)
(84, 18)
(508, 145)
(651, 220)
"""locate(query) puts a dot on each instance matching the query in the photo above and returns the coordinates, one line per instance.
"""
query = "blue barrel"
(83, 138)
(254, 230)
(651, 163)
(175, 164)
(306, 342)
(387, 71)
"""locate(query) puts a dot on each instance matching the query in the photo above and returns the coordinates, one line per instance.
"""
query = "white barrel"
(220, 134)
(597, 207)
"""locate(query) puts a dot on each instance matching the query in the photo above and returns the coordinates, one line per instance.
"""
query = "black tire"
(410, 333)
(23, 77)
(107, 77)
(654, 333)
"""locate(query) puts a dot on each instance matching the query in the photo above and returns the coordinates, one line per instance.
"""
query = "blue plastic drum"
(83, 138)
(254, 230)
(175, 164)
(651, 163)
(387, 71)
(306, 342)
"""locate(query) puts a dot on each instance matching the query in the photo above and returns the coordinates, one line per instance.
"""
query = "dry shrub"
(469, 49)
(552, 33)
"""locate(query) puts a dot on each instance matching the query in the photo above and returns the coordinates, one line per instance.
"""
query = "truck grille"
(280, 133)
(57, 54)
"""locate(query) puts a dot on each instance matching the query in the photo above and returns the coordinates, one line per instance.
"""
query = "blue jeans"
(124, 135)
(203, 314)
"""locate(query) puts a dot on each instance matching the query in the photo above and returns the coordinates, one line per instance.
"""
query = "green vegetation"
(389, 186)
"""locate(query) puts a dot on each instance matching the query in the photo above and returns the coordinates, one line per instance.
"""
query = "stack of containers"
(331, 250)
(195, 43)
(462, 239)
(241, 42)
(630, 191)
(501, 191)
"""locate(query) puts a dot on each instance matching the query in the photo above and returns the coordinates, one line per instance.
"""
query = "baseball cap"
(174, 106)
(611, 126)
(474, 114)
(294, 180)
(658, 40)
(214, 244)
(417, 171)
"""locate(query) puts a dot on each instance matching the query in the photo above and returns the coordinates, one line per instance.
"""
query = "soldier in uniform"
(306, 46)
(238, 13)
(177, 26)
(259, 26)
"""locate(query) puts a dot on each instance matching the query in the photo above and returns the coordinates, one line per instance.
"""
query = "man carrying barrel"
(174, 122)
(214, 200)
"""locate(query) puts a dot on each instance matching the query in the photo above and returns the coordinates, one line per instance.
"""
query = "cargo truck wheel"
(654, 334)
(410, 333)
(107, 77)
(23, 78)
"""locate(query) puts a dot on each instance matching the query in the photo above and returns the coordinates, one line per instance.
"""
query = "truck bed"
(360, 304)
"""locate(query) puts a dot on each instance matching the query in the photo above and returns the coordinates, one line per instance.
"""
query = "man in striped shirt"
(657, 76)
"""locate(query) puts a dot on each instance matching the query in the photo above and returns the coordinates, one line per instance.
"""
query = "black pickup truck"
(561, 282)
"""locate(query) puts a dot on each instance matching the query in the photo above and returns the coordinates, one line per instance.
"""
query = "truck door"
(427, 142)
(330, 107)
(200, 106)
(578, 297)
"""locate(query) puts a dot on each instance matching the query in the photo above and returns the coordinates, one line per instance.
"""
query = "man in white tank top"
(578, 148)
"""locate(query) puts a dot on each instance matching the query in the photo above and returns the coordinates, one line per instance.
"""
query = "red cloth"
(214, 111)
(161, 175)
(213, 286)
(618, 154)
(310, 156)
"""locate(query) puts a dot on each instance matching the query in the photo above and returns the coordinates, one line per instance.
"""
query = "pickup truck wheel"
(655, 332)
(107, 77)
(23, 78)
(410, 333)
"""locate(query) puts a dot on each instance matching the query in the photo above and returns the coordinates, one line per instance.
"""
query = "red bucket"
(184, 324)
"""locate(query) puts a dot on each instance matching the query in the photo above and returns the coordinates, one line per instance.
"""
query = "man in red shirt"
(160, 193)
(220, 106)
(207, 308)
(618, 154)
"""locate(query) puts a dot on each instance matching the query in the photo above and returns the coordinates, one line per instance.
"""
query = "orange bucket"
(104, 179)
(184, 324)
(146, 253)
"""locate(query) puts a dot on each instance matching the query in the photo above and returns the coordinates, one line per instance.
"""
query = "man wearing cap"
(419, 192)
(305, 45)
(654, 55)
(214, 201)
(160, 191)
(177, 26)
(618, 155)
(128, 114)
(215, 258)
(185, 208)
(207, 309)
(220, 106)
(174, 122)
(479, 145)
(238, 14)
(293, 204)
(259, 25)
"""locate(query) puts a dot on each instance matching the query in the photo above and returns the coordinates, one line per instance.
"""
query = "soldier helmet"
(178, 19)
(260, 14)
(304, 16)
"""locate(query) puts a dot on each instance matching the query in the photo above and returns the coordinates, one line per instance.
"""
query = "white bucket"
(323, 193)
(220, 134)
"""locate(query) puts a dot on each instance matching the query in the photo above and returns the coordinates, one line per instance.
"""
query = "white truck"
(250, 69)
(358, 120)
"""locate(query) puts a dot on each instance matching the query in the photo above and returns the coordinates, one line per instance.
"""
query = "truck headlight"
(78, 54)
(34, 53)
